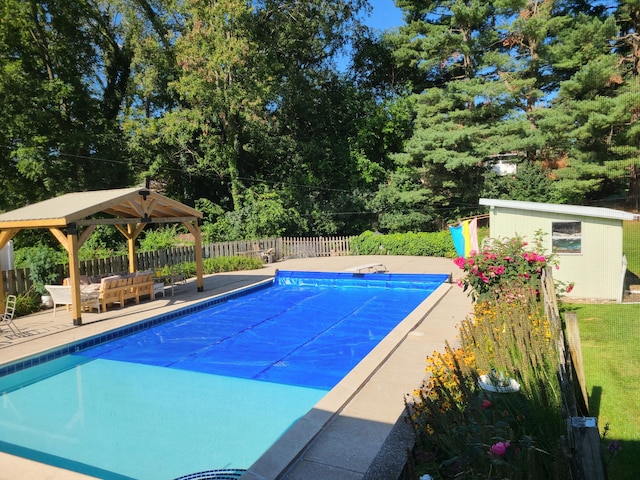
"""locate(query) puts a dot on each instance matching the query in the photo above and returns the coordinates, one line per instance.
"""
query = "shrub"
(505, 262)
(105, 241)
(222, 264)
(43, 267)
(27, 302)
(159, 239)
(431, 244)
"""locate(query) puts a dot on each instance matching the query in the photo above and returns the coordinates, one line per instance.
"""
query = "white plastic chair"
(7, 316)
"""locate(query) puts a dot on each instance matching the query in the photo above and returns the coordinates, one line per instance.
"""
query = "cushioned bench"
(118, 288)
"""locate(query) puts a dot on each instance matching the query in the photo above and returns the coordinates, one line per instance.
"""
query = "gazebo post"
(131, 242)
(194, 229)
(74, 273)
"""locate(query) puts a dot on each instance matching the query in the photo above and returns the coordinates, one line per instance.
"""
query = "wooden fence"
(582, 442)
(17, 281)
(300, 247)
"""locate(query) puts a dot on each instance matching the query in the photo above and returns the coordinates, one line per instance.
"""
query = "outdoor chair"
(7, 316)
(61, 295)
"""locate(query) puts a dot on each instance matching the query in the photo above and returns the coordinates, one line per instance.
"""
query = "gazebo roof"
(125, 205)
(131, 207)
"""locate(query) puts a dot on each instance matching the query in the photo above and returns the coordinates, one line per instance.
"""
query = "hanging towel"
(473, 234)
(465, 237)
(458, 239)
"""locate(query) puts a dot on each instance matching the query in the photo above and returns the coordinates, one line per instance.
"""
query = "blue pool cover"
(308, 329)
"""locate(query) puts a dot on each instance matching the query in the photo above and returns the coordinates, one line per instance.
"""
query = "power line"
(179, 170)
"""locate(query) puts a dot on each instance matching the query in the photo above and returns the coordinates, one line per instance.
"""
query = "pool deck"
(357, 431)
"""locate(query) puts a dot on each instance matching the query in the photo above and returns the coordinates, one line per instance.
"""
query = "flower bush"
(465, 432)
(506, 262)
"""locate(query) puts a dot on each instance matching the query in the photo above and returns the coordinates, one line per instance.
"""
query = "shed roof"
(575, 210)
(125, 205)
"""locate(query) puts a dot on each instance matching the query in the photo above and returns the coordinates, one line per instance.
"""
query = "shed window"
(566, 237)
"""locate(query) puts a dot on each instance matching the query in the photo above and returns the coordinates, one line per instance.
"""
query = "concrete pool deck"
(356, 431)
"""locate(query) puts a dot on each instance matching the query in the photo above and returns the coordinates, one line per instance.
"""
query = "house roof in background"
(575, 210)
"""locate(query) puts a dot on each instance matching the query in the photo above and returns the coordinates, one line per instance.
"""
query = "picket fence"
(17, 281)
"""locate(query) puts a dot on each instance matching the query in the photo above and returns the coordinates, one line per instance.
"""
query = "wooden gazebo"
(73, 217)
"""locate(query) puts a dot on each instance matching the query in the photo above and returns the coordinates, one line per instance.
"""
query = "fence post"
(585, 441)
(575, 349)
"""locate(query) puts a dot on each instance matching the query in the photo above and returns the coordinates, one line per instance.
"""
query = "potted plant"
(43, 270)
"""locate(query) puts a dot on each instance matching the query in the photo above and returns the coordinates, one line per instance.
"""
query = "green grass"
(610, 337)
(631, 246)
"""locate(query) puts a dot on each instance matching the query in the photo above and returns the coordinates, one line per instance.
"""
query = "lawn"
(610, 336)
(631, 246)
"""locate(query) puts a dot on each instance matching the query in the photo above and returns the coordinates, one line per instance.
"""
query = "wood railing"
(17, 281)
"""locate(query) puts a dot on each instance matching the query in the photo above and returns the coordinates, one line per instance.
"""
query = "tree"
(531, 183)
(63, 76)
(586, 125)
(457, 105)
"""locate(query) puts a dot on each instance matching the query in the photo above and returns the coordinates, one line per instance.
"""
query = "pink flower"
(486, 404)
(570, 287)
(499, 449)
(499, 270)
(460, 261)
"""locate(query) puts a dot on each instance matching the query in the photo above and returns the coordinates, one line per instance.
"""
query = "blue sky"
(385, 15)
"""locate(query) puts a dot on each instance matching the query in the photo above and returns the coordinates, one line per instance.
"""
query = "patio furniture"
(118, 289)
(158, 288)
(7, 316)
(61, 295)
(170, 278)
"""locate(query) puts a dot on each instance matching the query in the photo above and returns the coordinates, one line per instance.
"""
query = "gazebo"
(73, 217)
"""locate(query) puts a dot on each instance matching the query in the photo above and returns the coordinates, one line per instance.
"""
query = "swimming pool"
(261, 359)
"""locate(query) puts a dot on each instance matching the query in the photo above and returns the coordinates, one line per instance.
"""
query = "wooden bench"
(118, 289)
(369, 267)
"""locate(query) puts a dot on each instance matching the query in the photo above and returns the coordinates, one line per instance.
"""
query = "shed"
(586, 240)
(73, 217)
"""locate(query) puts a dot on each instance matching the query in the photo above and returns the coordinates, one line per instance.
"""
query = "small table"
(158, 288)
